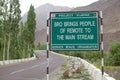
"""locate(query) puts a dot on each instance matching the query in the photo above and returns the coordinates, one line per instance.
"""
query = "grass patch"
(111, 67)
(64, 65)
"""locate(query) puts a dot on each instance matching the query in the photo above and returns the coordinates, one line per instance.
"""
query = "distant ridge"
(42, 13)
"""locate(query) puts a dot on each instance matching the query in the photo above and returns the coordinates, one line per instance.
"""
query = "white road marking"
(17, 71)
(34, 66)
(27, 68)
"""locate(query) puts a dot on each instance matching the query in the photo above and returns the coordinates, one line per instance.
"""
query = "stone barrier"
(6, 62)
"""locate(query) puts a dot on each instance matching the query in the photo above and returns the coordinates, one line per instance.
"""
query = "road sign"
(74, 30)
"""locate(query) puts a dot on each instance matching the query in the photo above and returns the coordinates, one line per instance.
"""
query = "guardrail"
(6, 62)
(93, 71)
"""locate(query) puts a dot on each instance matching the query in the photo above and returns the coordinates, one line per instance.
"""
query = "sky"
(25, 4)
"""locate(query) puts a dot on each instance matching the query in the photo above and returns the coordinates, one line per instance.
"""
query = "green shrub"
(92, 56)
(77, 54)
(114, 56)
(41, 46)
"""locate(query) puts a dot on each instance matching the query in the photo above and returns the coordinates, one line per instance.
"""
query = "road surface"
(32, 70)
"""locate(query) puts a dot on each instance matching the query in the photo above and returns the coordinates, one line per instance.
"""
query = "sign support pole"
(102, 47)
(47, 50)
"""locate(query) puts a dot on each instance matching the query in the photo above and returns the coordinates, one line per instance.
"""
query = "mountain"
(42, 14)
(111, 18)
(111, 13)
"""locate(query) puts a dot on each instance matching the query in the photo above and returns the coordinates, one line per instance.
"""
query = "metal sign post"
(102, 47)
(47, 50)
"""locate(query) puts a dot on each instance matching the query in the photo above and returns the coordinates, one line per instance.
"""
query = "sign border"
(75, 49)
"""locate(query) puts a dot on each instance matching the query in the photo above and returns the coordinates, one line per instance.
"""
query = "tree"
(31, 26)
(1, 26)
(14, 16)
(31, 23)
(9, 26)
(3, 18)
(12, 28)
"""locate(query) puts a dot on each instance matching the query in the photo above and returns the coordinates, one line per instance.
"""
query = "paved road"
(33, 70)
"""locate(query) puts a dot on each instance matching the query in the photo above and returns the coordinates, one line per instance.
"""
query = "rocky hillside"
(111, 13)
(111, 18)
